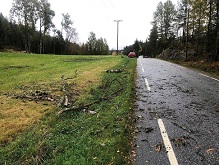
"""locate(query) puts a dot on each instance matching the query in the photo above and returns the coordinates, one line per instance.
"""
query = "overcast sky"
(98, 16)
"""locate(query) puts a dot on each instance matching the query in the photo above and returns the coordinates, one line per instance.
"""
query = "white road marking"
(166, 140)
(209, 77)
(181, 67)
(147, 84)
(168, 146)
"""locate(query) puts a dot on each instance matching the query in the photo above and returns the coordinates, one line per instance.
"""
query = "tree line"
(192, 24)
(31, 29)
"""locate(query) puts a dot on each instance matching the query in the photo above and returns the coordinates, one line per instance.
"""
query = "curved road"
(177, 115)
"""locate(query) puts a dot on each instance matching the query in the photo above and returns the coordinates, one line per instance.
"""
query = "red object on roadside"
(132, 55)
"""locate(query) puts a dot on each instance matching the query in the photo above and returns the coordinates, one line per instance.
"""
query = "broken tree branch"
(100, 99)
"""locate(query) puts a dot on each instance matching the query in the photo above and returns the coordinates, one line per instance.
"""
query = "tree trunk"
(26, 34)
(187, 32)
(193, 30)
(217, 31)
(198, 38)
(40, 46)
(209, 28)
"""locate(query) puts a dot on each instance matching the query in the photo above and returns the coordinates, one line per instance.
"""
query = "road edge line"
(209, 76)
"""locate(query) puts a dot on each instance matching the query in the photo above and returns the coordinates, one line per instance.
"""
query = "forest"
(30, 28)
(190, 28)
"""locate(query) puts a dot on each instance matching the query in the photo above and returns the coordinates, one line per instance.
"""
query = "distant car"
(132, 55)
(144, 56)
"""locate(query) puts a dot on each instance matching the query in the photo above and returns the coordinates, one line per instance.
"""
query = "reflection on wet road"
(187, 103)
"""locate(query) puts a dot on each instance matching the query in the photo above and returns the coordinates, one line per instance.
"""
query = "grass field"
(32, 89)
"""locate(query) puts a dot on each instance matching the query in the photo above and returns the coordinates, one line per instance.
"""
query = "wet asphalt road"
(188, 104)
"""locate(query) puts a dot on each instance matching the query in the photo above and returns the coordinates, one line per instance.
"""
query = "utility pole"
(117, 21)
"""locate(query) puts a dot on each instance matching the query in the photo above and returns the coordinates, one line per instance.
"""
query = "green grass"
(74, 137)
(24, 68)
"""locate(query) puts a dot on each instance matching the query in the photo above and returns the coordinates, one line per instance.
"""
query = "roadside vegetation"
(211, 68)
(39, 125)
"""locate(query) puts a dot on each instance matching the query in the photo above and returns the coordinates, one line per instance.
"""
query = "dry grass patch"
(16, 116)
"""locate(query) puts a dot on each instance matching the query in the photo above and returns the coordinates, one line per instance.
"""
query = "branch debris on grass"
(103, 97)
(66, 98)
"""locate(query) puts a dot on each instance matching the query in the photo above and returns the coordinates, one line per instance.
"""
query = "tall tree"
(212, 29)
(164, 18)
(45, 18)
(3, 34)
(136, 47)
(66, 23)
(216, 56)
(159, 19)
(96, 46)
(153, 37)
(199, 8)
(25, 11)
(169, 18)
(105, 47)
(92, 40)
(182, 17)
(71, 34)
(209, 25)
